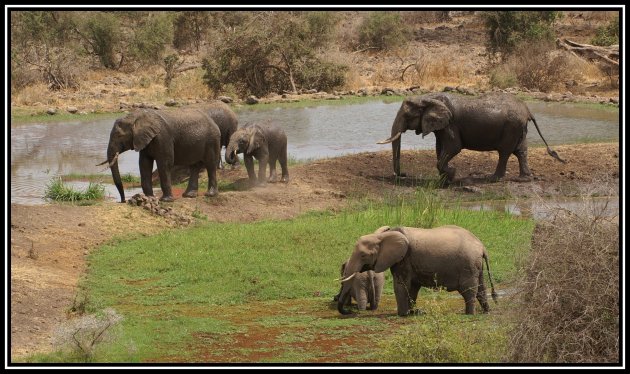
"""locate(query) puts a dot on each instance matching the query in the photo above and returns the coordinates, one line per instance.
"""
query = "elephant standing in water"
(185, 137)
(367, 287)
(491, 122)
(446, 256)
(267, 143)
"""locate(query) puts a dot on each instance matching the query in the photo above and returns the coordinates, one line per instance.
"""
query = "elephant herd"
(448, 256)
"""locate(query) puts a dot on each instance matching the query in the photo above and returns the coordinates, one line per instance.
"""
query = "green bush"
(190, 29)
(56, 190)
(607, 35)
(104, 35)
(383, 30)
(152, 37)
(509, 29)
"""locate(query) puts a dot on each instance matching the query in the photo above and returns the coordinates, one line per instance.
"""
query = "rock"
(252, 100)
(311, 91)
(225, 99)
(51, 111)
(171, 102)
(72, 109)
(614, 100)
(448, 89)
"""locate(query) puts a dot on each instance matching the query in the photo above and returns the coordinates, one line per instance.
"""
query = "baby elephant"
(267, 143)
(366, 288)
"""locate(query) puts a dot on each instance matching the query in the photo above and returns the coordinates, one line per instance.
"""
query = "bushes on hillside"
(383, 30)
(507, 30)
(607, 35)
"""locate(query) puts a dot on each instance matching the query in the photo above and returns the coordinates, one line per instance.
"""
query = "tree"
(507, 29)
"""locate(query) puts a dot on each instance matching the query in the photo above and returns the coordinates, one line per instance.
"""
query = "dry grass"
(436, 69)
(37, 93)
(190, 84)
(568, 301)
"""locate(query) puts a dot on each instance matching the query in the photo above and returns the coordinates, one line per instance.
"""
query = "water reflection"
(41, 151)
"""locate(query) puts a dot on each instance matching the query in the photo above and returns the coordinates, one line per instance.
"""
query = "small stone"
(225, 99)
(72, 109)
(51, 111)
(171, 102)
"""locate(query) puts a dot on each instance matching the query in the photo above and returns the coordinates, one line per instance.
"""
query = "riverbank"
(49, 243)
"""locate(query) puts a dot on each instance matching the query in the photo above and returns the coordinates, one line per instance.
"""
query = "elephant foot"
(523, 178)
(167, 199)
(262, 183)
(272, 180)
(212, 192)
(285, 179)
(400, 176)
(494, 178)
(190, 194)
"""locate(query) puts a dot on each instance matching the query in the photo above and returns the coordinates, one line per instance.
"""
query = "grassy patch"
(29, 116)
(56, 190)
(190, 293)
(307, 103)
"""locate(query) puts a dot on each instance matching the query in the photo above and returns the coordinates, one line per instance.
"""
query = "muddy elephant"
(185, 137)
(267, 143)
(225, 118)
(491, 122)
(366, 288)
(447, 256)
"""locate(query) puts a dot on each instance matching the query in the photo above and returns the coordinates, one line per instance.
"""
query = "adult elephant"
(266, 142)
(186, 137)
(491, 122)
(446, 256)
(366, 288)
(225, 118)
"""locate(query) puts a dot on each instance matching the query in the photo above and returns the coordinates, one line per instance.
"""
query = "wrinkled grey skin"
(267, 143)
(367, 287)
(446, 256)
(491, 122)
(225, 118)
(184, 137)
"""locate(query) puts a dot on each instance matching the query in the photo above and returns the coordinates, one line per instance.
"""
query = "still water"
(39, 152)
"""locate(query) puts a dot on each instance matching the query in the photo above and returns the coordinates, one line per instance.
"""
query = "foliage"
(190, 29)
(171, 64)
(383, 30)
(152, 37)
(56, 190)
(83, 335)
(509, 29)
(568, 299)
(103, 35)
(608, 34)
(276, 53)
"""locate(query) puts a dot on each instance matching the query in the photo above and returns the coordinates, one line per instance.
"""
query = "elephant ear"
(436, 116)
(145, 129)
(382, 229)
(255, 137)
(393, 247)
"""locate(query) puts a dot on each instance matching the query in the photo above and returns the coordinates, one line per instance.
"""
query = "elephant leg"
(249, 165)
(164, 169)
(146, 167)
(481, 294)
(521, 155)
(501, 166)
(213, 188)
(362, 297)
(262, 168)
(469, 298)
(283, 165)
(401, 290)
(193, 182)
(273, 178)
(447, 173)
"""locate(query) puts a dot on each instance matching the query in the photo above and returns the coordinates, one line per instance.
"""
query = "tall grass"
(57, 190)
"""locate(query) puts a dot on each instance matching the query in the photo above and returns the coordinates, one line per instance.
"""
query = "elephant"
(494, 121)
(446, 256)
(366, 287)
(179, 137)
(266, 142)
(225, 118)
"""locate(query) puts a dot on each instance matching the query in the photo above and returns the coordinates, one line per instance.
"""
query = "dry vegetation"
(568, 304)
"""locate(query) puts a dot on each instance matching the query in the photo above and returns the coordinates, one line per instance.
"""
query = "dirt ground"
(49, 243)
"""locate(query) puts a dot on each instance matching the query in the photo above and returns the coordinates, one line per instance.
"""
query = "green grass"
(28, 116)
(307, 103)
(56, 190)
(186, 293)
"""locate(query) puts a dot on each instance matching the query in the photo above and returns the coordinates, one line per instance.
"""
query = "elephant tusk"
(114, 160)
(348, 278)
(104, 162)
(391, 139)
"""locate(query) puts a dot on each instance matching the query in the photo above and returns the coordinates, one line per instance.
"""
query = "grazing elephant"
(494, 121)
(366, 287)
(267, 143)
(225, 118)
(179, 137)
(447, 256)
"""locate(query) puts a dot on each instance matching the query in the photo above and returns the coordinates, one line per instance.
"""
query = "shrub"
(383, 30)
(509, 29)
(608, 34)
(104, 35)
(56, 190)
(190, 29)
(568, 301)
(152, 37)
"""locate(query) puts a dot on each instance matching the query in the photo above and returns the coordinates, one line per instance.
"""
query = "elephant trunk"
(112, 158)
(398, 127)
(344, 298)
(230, 154)
(350, 271)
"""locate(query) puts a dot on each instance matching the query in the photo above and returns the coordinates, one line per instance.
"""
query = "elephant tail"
(550, 151)
(494, 294)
